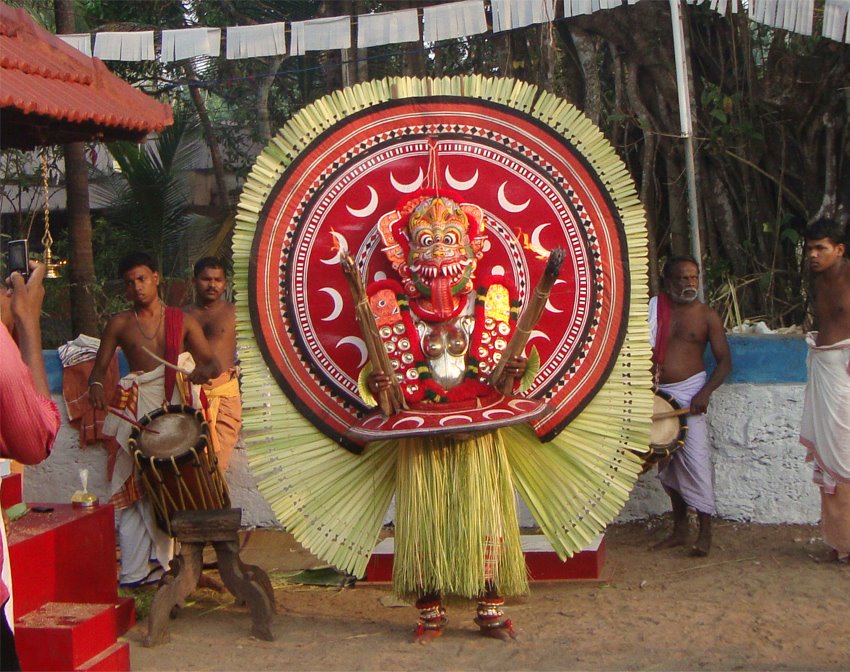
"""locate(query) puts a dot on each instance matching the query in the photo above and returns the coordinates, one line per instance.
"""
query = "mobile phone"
(19, 256)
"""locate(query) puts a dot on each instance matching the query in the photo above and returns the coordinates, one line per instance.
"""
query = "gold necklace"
(158, 324)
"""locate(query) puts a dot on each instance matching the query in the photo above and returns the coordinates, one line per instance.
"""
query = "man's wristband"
(94, 382)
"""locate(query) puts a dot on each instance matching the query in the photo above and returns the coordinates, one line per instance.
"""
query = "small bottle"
(83, 498)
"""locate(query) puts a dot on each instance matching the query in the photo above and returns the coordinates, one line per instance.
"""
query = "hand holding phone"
(18, 255)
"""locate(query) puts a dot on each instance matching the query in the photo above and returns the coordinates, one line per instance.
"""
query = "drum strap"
(173, 346)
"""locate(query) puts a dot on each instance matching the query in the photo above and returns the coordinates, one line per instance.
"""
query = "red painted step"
(63, 635)
(540, 558)
(115, 659)
(10, 490)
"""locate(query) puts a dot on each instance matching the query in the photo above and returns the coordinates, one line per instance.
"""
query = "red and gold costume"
(509, 174)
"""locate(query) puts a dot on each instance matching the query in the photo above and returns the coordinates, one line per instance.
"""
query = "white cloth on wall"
(387, 28)
(265, 39)
(185, 43)
(80, 41)
(125, 46)
(455, 19)
(510, 14)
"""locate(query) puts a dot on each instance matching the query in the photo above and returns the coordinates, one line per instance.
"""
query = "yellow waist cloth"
(224, 415)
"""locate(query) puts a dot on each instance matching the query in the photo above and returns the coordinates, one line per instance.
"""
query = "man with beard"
(826, 413)
(217, 318)
(680, 327)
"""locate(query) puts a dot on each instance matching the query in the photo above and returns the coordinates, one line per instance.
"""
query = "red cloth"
(75, 390)
(29, 422)
(662, 333)
(173, 345)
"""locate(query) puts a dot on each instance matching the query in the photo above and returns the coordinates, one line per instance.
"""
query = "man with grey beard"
(681, 326)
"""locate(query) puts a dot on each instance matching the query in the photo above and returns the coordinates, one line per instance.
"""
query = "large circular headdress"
(543, 176)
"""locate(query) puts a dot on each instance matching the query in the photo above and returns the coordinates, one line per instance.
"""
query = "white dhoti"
(825, 432)
(139, 537)
(690, 471)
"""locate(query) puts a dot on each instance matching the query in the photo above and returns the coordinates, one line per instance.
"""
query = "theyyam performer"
(446, 302)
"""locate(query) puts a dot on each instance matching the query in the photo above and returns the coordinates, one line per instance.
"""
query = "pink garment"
(29, 422)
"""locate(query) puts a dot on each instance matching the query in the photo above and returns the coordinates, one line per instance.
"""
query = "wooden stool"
(248, 583)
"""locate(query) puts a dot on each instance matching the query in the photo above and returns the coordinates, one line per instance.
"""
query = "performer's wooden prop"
(390, 400)
(529, 320)
(536, 175)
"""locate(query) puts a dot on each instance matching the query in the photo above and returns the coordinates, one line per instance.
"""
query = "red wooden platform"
(542, 561)
(67, 611)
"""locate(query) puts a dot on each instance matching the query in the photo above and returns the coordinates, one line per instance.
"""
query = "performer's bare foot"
(702, 546)
(425, 637)
(676, 538)
(504, 631)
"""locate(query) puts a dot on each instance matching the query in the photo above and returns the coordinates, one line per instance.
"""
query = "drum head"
(665, 430)
(176, 434)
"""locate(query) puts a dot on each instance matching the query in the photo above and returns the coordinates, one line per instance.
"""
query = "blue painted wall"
(756, 359)
(765, 359)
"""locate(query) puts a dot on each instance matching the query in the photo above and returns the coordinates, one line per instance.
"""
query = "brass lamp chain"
(47, 239)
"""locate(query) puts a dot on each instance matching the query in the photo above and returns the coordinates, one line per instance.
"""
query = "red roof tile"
(50, 93)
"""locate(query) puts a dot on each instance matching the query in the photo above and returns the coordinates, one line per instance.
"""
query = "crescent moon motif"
(521, 405)
(461, 185)
(369, 209)
(358, 343)
(416, 420)
(549, 305)
(407, 188)
(342, 243)
(537, 334)
(507, 205)
(336, 297)
(445, 421)
(496, 411)
(535, 241)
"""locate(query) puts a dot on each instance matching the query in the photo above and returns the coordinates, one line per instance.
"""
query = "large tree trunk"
(81, 262)
(209, 136)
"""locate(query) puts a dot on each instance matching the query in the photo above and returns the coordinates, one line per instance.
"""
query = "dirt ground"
(765, 599)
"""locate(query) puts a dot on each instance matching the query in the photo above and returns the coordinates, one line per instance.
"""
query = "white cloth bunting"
(179, 45)
(455, 19)
(266, 39)
(510, 14)
(80, 41)
(125, 46)
(835, 24)
(387, 28)
(320, 35)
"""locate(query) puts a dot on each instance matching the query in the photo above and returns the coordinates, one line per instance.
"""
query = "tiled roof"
(50, 93)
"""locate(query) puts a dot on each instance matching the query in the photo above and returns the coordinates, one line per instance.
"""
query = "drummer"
(149, 333)
(680, 327)
(217, 318)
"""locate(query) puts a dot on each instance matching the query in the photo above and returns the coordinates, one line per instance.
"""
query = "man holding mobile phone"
(29, 419)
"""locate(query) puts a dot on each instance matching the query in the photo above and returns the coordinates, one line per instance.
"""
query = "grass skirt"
(456, 518)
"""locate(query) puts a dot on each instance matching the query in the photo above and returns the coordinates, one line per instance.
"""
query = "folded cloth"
(75, 391)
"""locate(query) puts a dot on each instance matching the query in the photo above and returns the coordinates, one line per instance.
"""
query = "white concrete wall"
(760, 471)
(759, 465)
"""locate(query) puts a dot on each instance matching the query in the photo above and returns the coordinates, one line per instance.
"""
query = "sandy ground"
(765, 599)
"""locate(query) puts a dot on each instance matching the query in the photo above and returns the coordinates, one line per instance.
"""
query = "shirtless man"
(144, 332)
(826, 412)
(683, 328)
(217, 318)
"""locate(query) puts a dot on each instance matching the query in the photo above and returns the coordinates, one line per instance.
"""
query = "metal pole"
(687, 131)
